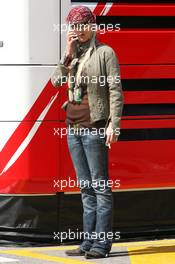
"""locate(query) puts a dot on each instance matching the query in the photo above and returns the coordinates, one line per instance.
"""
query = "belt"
(75, 126)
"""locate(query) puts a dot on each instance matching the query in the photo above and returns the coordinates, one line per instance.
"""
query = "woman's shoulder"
(105, 49)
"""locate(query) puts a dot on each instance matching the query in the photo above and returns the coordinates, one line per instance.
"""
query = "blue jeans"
(89, 155)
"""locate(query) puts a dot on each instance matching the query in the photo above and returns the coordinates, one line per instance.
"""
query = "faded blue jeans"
(89, 155)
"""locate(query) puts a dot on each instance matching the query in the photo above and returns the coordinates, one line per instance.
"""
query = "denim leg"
(97, 157)
(88, 196)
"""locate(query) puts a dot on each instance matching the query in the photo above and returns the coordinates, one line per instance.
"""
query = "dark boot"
(94, 254)
(75, 252)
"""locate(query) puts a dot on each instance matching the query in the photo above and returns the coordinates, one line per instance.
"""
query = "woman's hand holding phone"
(72, 37)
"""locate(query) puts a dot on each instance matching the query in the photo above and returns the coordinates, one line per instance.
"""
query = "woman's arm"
(59, 75)
(116, 98)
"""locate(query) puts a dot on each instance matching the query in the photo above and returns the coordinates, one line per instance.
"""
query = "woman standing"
(92, 106)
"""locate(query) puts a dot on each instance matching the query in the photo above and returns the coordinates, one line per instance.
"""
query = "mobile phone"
(77, 39)
(74, 37)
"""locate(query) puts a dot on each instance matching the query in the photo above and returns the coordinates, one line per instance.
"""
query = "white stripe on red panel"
(30, 135)
(106, 10)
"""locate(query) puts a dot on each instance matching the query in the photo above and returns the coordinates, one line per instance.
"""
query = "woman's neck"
(86, 43)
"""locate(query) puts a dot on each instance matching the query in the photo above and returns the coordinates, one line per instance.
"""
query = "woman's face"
(83, 30)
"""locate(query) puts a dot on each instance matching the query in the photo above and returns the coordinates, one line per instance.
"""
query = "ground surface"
(146, 252)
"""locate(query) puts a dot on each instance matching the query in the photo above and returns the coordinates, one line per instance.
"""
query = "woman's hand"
(71, 41)
(111, 136)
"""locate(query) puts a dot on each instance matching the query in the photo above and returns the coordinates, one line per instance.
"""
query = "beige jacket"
(105, 97)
